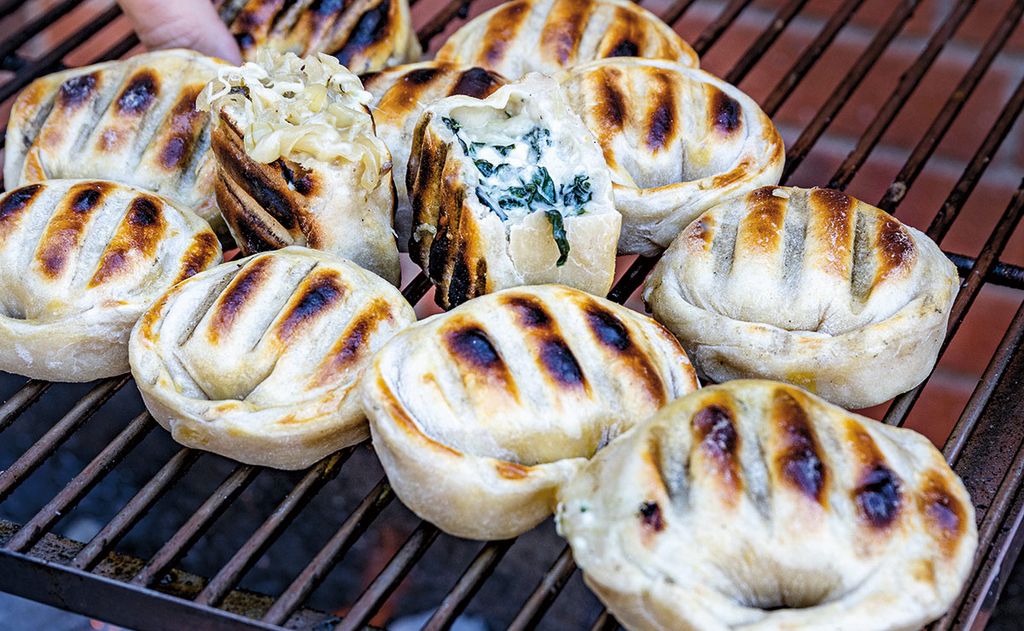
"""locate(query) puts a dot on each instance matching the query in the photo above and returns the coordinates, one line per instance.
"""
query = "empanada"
(257, 359)
(400, 95)
(677, 140)
(524, 36)
(755, 505)
(299, 163)
(510, 190)
(132, 121)
(80, 260)
(811, 287)
(364, 35)
(480, 414)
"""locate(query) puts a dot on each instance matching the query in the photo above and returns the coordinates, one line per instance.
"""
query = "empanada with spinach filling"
(510, 190)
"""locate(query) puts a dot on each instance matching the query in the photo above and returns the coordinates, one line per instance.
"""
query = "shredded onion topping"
(290, 107)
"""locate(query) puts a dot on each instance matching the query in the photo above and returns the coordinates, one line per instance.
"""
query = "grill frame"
(95, 580)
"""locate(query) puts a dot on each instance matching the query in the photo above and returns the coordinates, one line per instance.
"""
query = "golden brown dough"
(480, 414)
(132, 121)
(400, 95)
(524, 36)
(364, 35)
(812, 287)
(510, 190)
(755, 505)
(257, 359)
(299, 162)
(80, 260)
(677, 140)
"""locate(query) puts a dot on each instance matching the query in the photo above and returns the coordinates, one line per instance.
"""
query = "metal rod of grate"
(999, 522)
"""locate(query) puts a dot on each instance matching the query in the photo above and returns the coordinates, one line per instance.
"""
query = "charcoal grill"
(985, 446)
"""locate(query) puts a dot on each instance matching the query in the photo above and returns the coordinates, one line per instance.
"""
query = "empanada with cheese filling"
(364, 35)
(299, 163)
(524, 36)
(755, 505)
(480, 414)
(510, 190)
(80, 260)
(400, 95)
(677, 140)
(132, 121)
(811, 287)
(257, 359)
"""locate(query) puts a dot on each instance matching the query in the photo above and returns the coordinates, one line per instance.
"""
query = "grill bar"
(764, 41)
(605, 622)
(112, 454)
(909, 81)
(315, 572)
(20, 401)
(196, 525)
(36, 26)
(547, 591)
(915, 163)
(61, 431)
(714, 30)
(901, 406)
(389, 578)
(266, 534)
(842, 92)
(468, 584)
(133, 511)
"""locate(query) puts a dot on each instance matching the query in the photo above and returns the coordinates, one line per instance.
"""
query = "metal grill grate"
(986, 445)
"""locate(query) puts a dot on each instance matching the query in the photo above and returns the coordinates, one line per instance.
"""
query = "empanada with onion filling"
(364, 35)
(80, 260)
(677, 140)
(479, 414)
(755, 505)
(510, 190)
(546, 36)
(811, 287)
(257, 359)
(400, 95)
(132, 121)
(299, 163)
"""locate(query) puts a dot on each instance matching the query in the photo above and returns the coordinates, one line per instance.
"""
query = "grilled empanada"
(80, 260)
(299, 163)
(257, 359)
(480, 414)
(546, 36)
(364, 35)
(755, 505)
(400, 95)
(131, 121)
(510, 190)
(677, 140)
(812, 287)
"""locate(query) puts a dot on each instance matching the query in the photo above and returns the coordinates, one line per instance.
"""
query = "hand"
(181, 24)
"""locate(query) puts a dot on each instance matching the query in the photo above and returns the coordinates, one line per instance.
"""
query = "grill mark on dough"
(834, 209)
(529, 312)
(764, 221)
(182, 123)
(200, 255)
(355, 343)
(563, 28)
(878, 495)
(13, 204)
(944, 515)
(320, 293)
(662, 119)
(139, 94)
(237, 295)
(477, 83)
(138, 236)
(612, 103)
(613, 334)
(372, 27)
(895, 248)
(560, 363)
(725, 112)
(501, 29)
(76, 90)
(64, 232)
(798, 460)
(717, 438)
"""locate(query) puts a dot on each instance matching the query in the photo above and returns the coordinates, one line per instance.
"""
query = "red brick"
(940, 405)
(982, 21)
